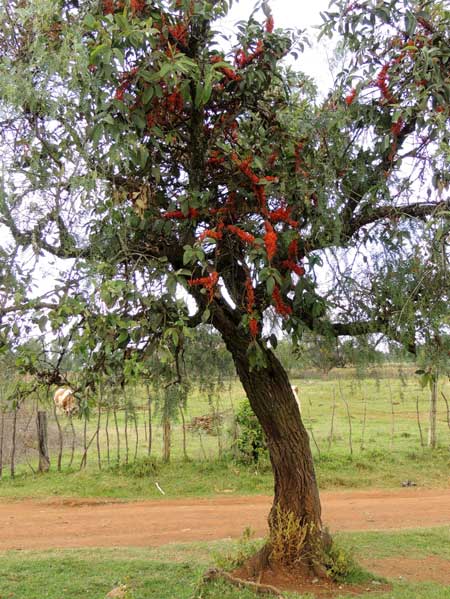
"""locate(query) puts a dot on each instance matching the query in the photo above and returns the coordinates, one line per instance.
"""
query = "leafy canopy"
(150, 155)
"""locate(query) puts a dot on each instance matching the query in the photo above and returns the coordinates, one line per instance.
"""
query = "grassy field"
(364, 433)
(203, 479)
(175, 571)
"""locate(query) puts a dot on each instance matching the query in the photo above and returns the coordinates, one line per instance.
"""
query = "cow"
(297, 399)
(65, 400)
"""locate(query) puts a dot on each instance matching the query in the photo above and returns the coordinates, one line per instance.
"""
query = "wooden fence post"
(42, 432)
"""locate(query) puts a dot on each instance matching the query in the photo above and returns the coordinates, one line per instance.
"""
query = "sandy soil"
(81, 523)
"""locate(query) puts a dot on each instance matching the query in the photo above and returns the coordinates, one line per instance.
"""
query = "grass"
(174, 571)
(381, 415)
(226, 478)
(371, 441)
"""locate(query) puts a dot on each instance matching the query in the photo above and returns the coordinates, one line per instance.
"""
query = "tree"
(151, 160)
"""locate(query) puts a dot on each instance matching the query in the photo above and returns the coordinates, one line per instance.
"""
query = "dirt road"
(81, 523)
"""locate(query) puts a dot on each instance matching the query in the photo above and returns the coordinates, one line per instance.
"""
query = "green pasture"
(364, 432)
(371, 413)
(175, 571)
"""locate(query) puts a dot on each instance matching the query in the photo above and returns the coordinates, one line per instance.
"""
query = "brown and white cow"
(65, 400)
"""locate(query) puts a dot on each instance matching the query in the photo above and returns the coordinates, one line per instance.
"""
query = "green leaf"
(90, 21)
(270, 285)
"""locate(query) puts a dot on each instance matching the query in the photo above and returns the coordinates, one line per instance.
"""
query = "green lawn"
(174, 571)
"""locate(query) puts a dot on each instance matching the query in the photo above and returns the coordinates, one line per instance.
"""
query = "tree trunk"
(85, 446)
(183, 421)
(107, 435)
(60, 438)
(116, 425)
(432, 437)
(136, 434)
(166, 440)
(2, 430)
(150, 428)
(296, 494)
(13, 443)
(42, 432)
(72, 445)
(126, 435)
(99, 416)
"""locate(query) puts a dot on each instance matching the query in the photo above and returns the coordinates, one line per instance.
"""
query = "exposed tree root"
(257, 587)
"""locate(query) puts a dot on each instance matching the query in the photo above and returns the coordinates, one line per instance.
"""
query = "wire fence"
(347, 416)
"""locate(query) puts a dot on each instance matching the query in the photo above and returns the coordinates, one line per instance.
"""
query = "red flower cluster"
(126, 78)
(208, 283)
(244, 167)
(229, 73)
(397, 127)
(137, 6)
(270, 241)
(108, 7)
(291, 265)
(175, 102)
(272, 158)
(283, 215)
(350, 97)
(179, 33)
(247, 237)
(243, 59)
(250, 293)
(293, 249)
(383, 85)
(215, 158)
(282, 308)
(178, 214)
(253, 327)
(269, 24)
(211, 234)
(258, 189)
(150, 119)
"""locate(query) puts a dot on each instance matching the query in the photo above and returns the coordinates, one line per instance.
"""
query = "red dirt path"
(84, 523)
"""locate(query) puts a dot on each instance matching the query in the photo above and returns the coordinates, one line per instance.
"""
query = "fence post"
(42, 432)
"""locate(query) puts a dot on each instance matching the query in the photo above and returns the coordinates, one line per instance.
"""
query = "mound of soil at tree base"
(290, 581)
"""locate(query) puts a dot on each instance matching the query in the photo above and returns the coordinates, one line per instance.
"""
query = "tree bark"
(99, 416)
(166, 440)
(116, 425)
(295, 487)
(150, 430)
(2, 430)
(107, 434)
(42, 431)
(432, 435)
(13, 444)
(183, 422)
(60, 438)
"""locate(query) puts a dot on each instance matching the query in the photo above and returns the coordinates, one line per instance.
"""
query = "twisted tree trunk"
(296, 495)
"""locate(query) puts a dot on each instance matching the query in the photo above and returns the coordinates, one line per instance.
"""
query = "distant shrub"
(250, 440)
(140, 468)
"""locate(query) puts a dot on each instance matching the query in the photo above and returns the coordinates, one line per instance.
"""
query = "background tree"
(146, 160)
